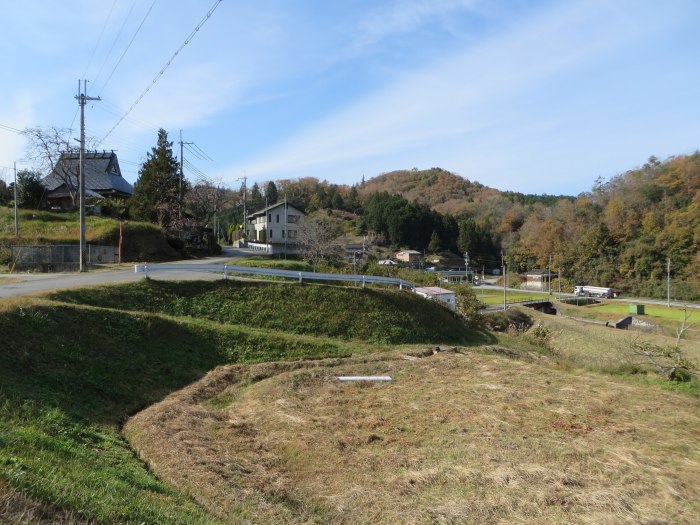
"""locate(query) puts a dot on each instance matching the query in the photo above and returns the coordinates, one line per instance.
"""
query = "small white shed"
(436, 293)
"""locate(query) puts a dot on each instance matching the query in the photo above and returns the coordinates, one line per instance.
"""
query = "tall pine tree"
(156, 195)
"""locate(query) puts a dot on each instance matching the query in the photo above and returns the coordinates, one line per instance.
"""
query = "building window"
(292, 219)
(269, 217)
(283, 234)
(292, 234)
(278, 217)
(270, 233)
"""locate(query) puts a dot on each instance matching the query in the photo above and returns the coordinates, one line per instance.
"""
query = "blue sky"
(530, 96)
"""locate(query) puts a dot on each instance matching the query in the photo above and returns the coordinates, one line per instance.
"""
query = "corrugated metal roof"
(102, 173)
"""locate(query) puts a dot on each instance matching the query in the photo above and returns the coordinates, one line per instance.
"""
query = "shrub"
(468, 305)
(512, 319)
(541, 335)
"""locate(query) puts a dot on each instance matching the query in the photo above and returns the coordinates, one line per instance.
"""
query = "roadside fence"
(227, 269)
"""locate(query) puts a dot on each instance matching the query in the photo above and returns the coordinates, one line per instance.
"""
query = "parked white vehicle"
(593, 291)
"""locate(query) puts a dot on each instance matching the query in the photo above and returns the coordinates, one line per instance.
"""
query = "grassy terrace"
(216, 402)
(377, 316)
(456, 437)
(72, 373)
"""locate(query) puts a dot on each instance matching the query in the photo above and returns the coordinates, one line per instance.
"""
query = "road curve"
(21, 284)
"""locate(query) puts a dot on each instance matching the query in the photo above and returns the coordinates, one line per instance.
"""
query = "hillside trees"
(402, 223)
(256, 201)
(271, 193)
(29, 189)
(4, 192)
(477, 240)
(156, 195)
(620, 234)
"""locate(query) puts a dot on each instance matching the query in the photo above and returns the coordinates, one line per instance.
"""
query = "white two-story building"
(274, 229)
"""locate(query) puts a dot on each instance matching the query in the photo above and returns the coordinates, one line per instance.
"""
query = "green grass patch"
(490, 296)
(366, 314)
(69, 375)
(276, 264)
(89, 469)
(655, 312)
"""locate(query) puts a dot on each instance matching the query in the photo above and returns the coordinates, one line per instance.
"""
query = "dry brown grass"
(454, 438)
(598, 347)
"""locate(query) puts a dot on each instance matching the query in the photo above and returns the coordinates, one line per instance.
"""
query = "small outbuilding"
(537, 280)
(436, 293)
(410, 257)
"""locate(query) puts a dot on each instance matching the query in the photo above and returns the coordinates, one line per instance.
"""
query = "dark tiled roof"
(273, 206)
(102, 173)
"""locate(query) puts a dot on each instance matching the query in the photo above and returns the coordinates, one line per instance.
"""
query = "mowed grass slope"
(70, 374)
(457, 437)
(373, 315)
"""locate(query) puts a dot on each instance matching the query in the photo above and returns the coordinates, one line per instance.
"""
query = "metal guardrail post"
(363, 281)
(226, 272)
(300, 278)
(145, 270)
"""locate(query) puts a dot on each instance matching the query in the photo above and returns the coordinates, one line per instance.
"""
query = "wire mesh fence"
(60, 256)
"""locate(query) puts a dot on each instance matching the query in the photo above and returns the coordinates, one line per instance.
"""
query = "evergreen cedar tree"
(157, 189)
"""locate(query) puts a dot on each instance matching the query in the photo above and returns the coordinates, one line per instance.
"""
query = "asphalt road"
(19, 284)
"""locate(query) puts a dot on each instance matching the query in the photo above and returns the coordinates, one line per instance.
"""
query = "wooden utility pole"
(668, 283)
(82, 100)
(505, 282)
(466, 265)
(182, 175)
(16, 211)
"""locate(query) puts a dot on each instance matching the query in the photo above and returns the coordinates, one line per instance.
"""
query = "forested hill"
(448, 193)
(621, 233)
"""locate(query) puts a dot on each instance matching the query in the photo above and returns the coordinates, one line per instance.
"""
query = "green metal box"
(637, 309)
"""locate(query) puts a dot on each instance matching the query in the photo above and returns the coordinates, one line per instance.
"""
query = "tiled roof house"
(103, 177)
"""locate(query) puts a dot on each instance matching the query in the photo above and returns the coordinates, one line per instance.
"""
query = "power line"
(195, 152)
(143, 21)
(194, 169)
(116, 39)
(113, 109)
(165, 67)
(10, 128)
(202, 152)
(99, 39)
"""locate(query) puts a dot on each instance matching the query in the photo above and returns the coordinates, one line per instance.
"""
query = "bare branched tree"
(44, 150)
(206, 198)
(316, 239)
(668, 360)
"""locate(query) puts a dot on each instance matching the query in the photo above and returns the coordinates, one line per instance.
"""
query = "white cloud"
(404, 16)
(454, 100)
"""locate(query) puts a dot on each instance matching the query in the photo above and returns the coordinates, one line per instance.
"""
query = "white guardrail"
(228, 269)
